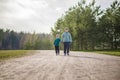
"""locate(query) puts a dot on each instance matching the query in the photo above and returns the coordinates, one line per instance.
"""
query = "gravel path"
(45, 65)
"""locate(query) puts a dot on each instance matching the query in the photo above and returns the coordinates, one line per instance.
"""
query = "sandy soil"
(45, 65)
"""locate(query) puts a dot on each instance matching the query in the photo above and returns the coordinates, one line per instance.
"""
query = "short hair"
(66, 28)
(57, 35)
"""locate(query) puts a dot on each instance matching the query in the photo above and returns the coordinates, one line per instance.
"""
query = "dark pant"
(57, 49)
(66, 48)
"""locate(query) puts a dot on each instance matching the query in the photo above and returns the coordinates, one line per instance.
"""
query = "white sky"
(36, 15)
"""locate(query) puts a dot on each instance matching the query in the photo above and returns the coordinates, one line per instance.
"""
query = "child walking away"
(56, 44)
(66, 39)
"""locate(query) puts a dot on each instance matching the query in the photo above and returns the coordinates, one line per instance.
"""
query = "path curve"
(45, 65)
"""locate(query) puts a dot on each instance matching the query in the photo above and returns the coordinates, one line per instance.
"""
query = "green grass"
(107, 52)
(115, 53)
(7, 54)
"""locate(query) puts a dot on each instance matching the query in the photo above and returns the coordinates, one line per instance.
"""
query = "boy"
(66, 39)
(56, 44)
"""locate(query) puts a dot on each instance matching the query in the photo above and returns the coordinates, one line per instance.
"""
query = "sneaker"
(56, 54)
(68, 54)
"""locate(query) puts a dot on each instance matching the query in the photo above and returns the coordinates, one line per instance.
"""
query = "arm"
(70, 38)
(54, 42)
(62, 37)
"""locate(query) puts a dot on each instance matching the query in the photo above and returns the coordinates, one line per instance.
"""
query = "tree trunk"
(115, 43)
(92, 45)
(112, 44)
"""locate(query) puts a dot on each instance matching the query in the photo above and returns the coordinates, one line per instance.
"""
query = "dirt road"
(44, 65)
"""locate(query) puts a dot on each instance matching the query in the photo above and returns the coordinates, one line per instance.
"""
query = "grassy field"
(107, 52)
(115, 53)
(7, 54)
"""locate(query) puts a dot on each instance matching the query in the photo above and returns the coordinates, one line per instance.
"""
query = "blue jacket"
(57, 41)
(66, 37)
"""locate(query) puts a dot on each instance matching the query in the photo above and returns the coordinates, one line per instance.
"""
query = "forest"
(91, 27)
(29, 41)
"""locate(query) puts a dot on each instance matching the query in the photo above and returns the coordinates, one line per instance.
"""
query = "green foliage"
(12, 40)
(40, 41)
(110, 23)
(91, 28)
(109, 52)
(1, 37)
(28, 46)
(1, 34)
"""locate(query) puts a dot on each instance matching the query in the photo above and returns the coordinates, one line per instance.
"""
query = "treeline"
(91, 27)
(13, 40)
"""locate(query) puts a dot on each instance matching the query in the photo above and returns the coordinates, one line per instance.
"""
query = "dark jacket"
(57, 41)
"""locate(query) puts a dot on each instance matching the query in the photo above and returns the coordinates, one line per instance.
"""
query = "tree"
(1, 37)
(110, 23)
(82, 22)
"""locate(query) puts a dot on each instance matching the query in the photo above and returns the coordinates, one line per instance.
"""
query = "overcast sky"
(36, 15)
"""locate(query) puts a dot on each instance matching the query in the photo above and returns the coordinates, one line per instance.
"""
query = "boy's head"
(57, 36)
(66, 29)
